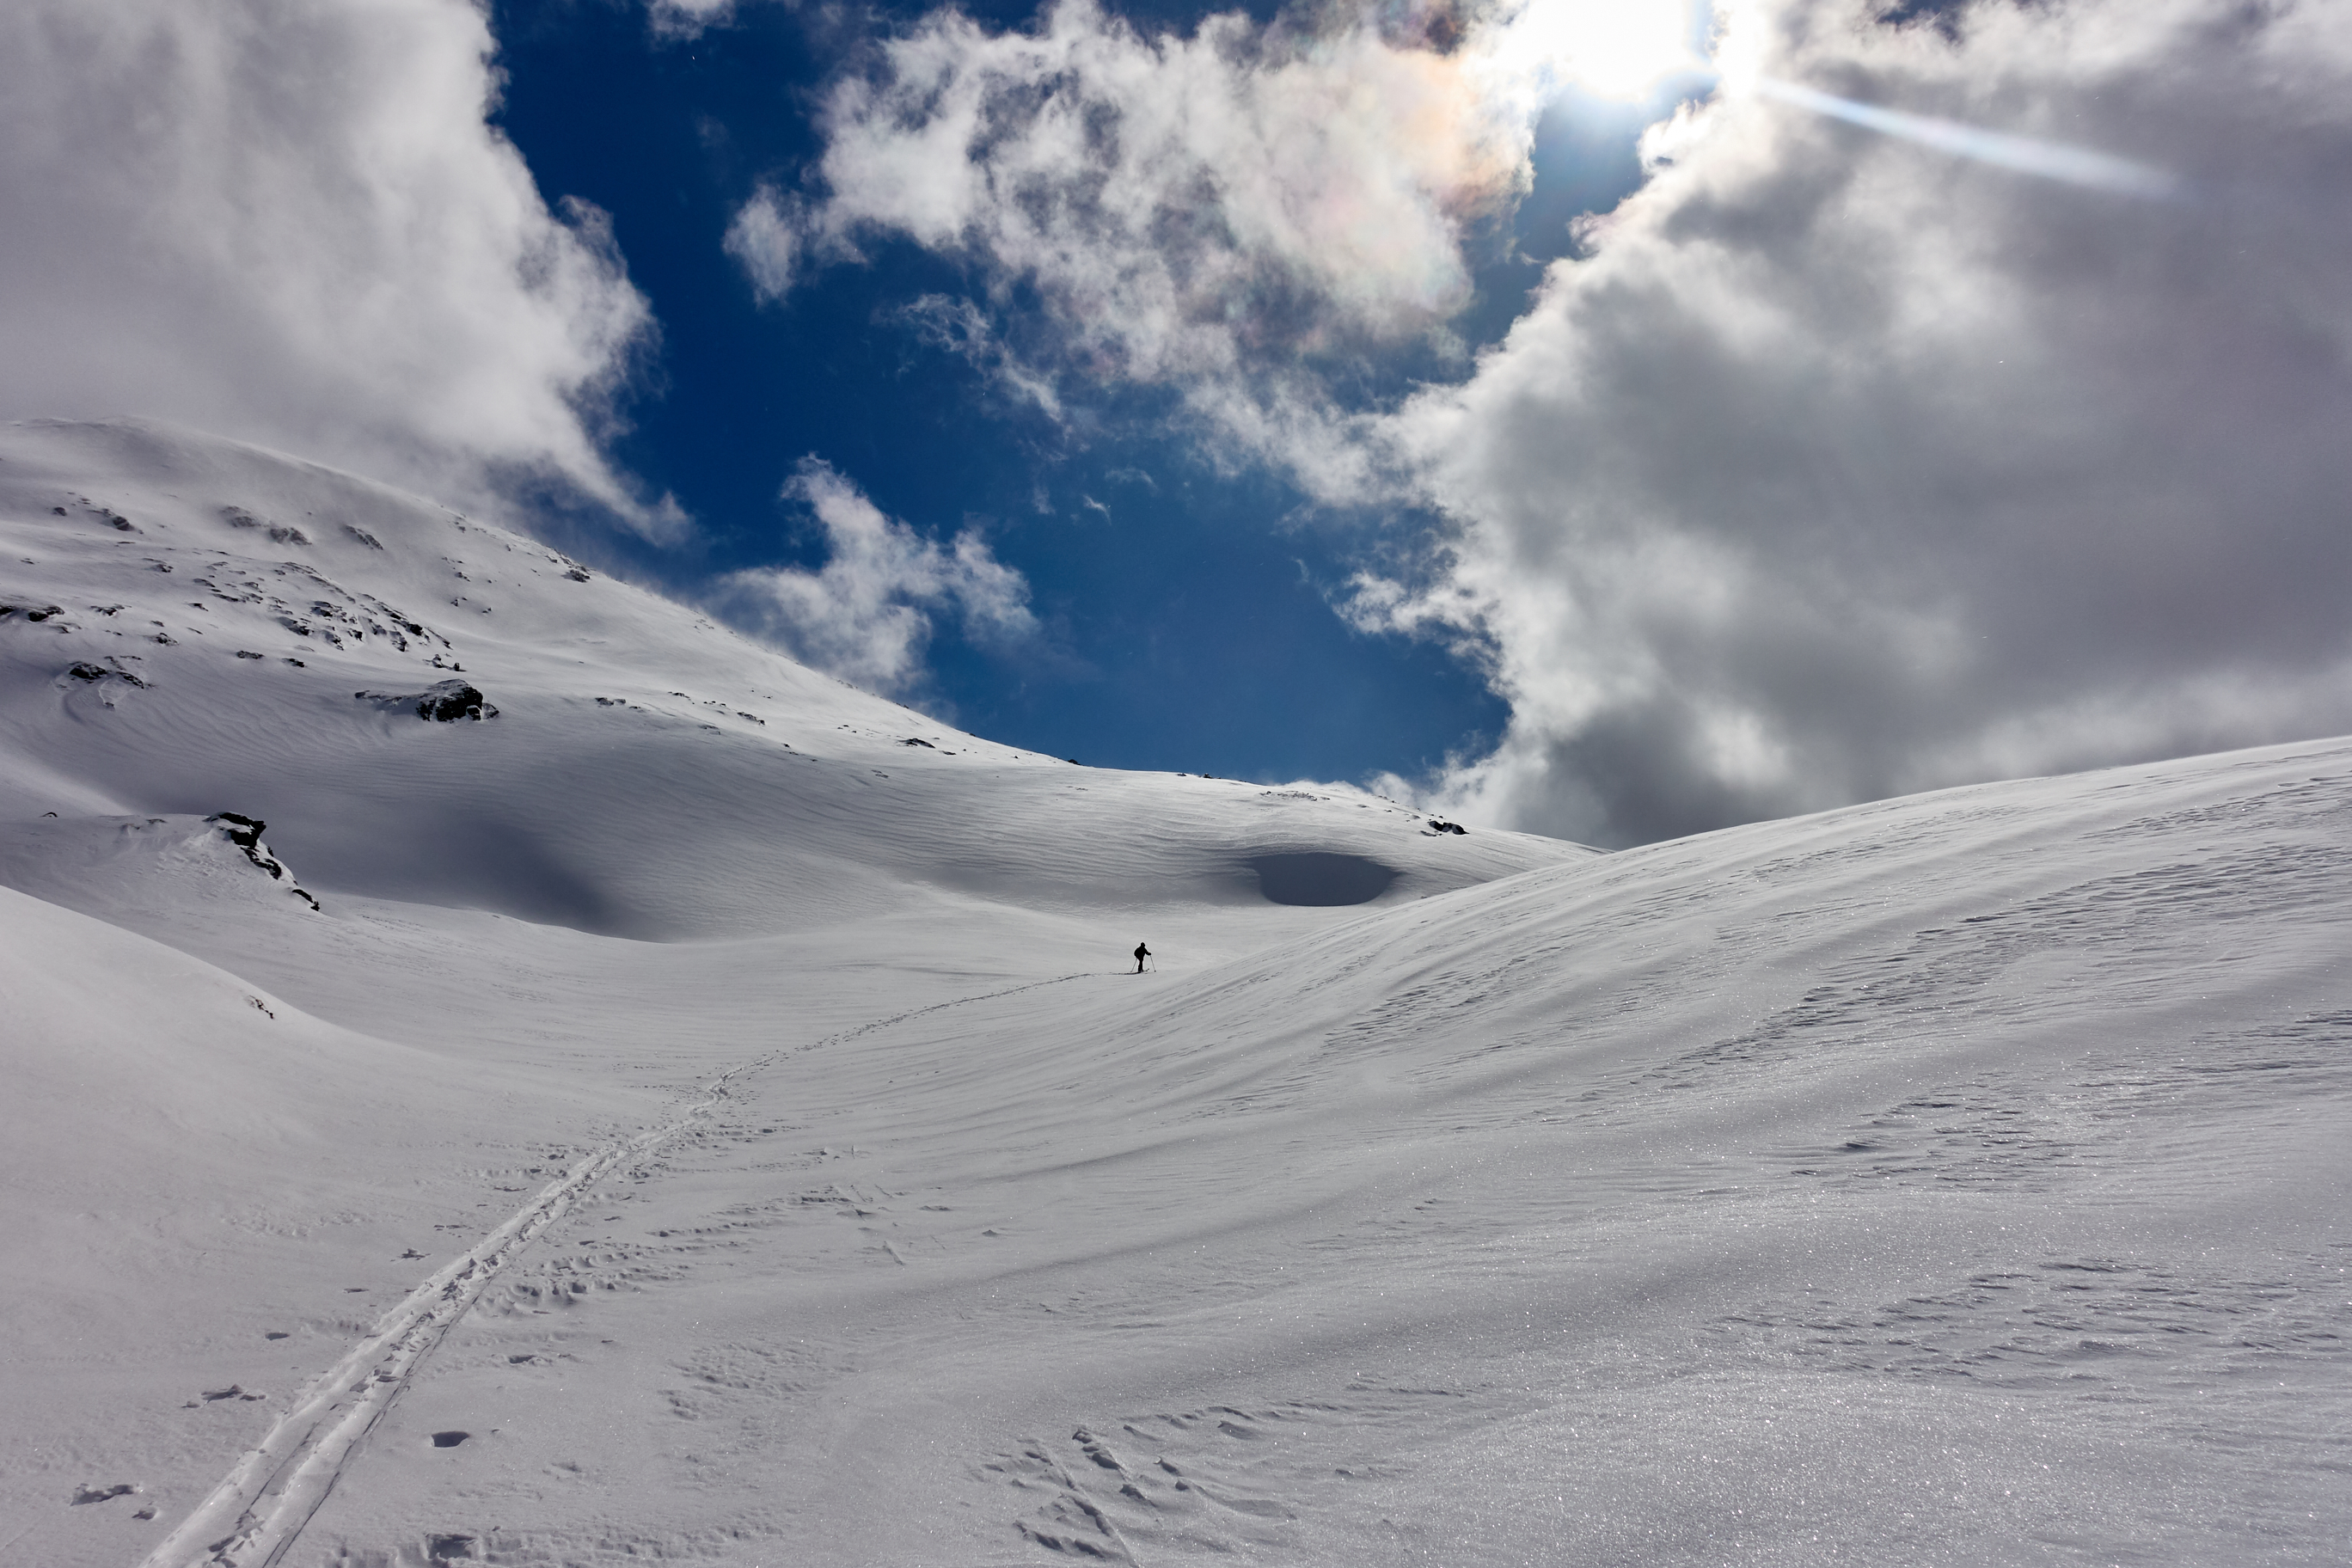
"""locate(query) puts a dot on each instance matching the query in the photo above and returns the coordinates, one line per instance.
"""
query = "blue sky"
(1944, 391)
(1186, 615)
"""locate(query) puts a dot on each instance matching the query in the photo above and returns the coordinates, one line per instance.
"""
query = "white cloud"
(766, 237)
(1889, 437)
(1229, 214)
(290, 223)
(961, 328)
(687, 18)
(1843, 467)
(865, 616)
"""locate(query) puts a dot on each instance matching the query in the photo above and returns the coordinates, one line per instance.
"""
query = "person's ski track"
(252, 1518)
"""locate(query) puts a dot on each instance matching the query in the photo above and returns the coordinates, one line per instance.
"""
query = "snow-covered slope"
(197, 625)
(682, 1143)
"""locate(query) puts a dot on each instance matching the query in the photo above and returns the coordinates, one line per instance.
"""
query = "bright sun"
(1612, 49)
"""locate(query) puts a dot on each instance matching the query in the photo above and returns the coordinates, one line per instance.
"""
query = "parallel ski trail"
(253, 1516)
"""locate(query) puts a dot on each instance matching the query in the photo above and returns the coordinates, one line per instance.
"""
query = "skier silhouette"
(1142, 952)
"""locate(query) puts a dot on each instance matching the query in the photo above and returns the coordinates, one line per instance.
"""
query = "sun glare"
(1609, 49)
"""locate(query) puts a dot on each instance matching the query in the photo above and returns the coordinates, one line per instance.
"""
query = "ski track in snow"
(252, 1518)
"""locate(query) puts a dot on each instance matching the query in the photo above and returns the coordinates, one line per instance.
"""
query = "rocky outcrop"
(245, 832)
(279, 533)
(454, 699)
(442, 703)
(95, 672)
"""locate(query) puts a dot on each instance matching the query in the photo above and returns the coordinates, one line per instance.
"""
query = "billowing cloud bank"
(1840, 464)
(1843, 467)
(290, 223)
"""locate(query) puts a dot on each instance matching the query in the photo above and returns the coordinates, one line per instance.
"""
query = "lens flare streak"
(2026, 155)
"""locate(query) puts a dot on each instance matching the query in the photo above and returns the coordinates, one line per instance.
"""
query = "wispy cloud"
(962, 328)
(866, 614)
(687, 18)
(766, 238)
(1216, 214)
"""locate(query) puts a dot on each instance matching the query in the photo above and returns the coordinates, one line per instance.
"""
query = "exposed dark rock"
(363, 536)
(578, 574)
(445, 703)
(102, 1494)
(241, 653)
(925, 744)
(454, 699)
(237, 517)
(95, 672)
(245, 832)
(1435, 826)
(45, 615)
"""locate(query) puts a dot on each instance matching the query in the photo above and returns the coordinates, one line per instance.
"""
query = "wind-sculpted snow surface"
(1952, 1180)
